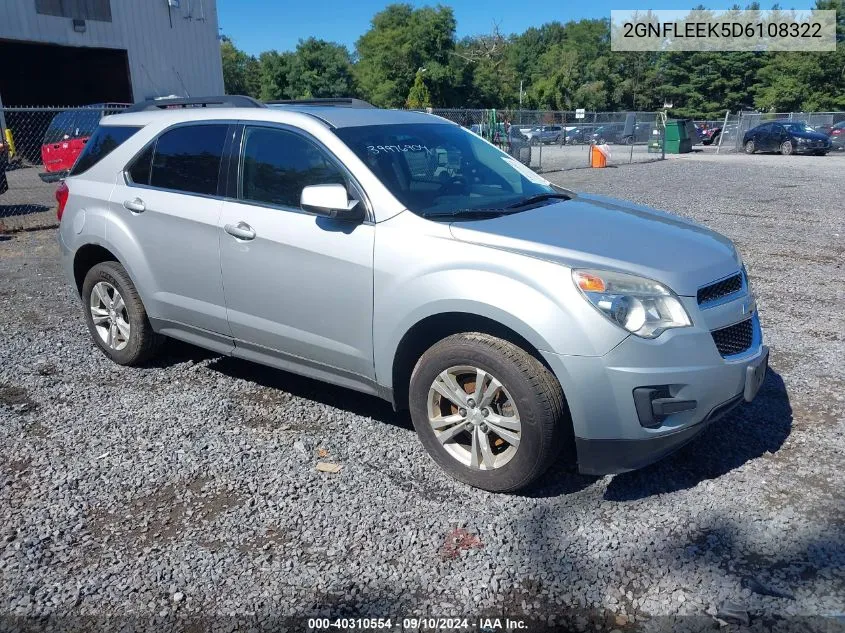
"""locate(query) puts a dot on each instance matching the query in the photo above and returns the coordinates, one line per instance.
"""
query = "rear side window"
(101, 144)
(188, 159)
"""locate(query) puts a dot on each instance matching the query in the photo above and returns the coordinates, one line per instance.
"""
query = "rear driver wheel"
(749, 147)
(116, 317)
(489, 413)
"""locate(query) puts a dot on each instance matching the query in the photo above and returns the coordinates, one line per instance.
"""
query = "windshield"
(797, 127)
(439, 168)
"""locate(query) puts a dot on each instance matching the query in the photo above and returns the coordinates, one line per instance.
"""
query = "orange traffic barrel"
(598, 158)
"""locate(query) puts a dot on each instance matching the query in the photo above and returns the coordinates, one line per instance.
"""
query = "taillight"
(61, 197)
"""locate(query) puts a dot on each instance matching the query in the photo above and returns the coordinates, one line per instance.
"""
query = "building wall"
(176, 53)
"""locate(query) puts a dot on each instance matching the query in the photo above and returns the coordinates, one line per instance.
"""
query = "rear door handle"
(136, 205)
(241, 230)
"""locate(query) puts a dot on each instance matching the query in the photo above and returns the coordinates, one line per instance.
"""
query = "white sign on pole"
(580, 113)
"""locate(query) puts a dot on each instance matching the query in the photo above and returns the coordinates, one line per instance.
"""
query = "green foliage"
(409, 58)
(320, 69)
(400, 41)
(240, 71)
(419, 96)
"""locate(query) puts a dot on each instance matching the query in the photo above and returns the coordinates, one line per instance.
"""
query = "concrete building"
(80, 52)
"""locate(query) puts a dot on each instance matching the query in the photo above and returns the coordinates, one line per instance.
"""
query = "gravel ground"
(29, 203)
(190, 488)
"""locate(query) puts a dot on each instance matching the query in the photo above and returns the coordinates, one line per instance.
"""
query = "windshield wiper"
(538, 198)
(466, 212)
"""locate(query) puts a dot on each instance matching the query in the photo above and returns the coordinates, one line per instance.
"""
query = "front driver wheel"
(116, 317)
(749, 147)
(786, 148)
(489, 413)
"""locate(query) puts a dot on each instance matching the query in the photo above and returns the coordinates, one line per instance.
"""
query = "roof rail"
(339, 102)
(230, 101)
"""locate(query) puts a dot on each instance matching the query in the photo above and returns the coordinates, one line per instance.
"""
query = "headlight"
(641, 306)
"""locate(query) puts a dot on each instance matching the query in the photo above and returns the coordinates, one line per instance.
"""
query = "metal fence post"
(724, 129)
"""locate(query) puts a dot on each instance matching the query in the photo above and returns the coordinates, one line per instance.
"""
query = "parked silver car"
(400, 255)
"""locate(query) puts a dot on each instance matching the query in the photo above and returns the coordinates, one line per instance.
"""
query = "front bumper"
(610, 436)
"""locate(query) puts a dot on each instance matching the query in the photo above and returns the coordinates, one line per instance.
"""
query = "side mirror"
(330, 201)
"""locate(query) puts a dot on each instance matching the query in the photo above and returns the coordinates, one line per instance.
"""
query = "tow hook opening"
(655, 403)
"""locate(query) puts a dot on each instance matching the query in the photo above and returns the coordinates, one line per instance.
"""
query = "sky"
(260, 25)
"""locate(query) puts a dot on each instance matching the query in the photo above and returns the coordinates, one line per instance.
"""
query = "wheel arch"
(435, 327)
(88, 256)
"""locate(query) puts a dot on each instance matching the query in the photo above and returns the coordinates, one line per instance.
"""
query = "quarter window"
(188, 159)
(139, 170)
(103, 143)
(278, 164)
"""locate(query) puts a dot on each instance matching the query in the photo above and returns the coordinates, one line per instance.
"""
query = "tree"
(400, 41)
(419, 96)
(273, 74)
(320, 69)
(802, 80)
(240, 71)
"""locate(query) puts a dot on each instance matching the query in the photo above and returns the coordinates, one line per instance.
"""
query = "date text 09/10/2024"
(482, 625)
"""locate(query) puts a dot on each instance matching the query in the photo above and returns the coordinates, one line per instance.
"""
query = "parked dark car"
(519, 146)
(609, 133)
(641, 134)
(710, 135)
(577, 135)
(837, 136)
(786, 137)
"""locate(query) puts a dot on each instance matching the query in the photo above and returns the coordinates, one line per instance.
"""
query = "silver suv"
(397, 254)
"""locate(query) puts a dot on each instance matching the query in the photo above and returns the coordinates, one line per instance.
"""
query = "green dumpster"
(677, 139)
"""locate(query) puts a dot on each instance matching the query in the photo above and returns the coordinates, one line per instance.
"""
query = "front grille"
(734, 339)
(720, 289)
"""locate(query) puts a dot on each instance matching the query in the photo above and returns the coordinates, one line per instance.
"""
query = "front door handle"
(241, 230)
(136, 205)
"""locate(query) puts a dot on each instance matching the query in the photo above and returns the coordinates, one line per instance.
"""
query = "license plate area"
(755, 374)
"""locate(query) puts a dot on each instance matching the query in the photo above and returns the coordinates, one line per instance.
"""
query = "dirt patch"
(162, 515)
(17, 398)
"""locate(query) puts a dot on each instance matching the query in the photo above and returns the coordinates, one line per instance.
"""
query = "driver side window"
(277, 165)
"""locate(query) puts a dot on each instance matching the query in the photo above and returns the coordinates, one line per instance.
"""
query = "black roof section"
(338, 102)
(223, 101)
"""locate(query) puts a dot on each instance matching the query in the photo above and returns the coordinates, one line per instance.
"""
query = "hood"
(813, 136)
(598, 232)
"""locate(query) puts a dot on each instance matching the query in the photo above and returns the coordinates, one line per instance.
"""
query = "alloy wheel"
(474, 417)
(108, 311)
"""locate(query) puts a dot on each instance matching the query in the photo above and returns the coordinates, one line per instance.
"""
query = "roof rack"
(341, 102)
(230, 101)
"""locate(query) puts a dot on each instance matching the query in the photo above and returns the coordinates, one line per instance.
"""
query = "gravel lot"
(190, 488)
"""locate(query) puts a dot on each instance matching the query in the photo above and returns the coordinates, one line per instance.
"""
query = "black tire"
(786, 148)
(535, 391)
(749, 146)
(143, 342)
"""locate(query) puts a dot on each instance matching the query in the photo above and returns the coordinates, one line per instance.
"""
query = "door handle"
(241, 230)
(136, 205)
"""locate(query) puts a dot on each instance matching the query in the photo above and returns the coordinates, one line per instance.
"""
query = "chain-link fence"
(555, 140)
(735, 126)
(37, 148)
